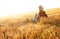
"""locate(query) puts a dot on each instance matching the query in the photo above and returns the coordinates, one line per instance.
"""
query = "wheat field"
(21, 28)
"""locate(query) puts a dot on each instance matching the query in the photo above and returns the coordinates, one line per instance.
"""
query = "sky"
(14, 7)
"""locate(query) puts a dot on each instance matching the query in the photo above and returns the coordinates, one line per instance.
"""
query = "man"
(41, 13)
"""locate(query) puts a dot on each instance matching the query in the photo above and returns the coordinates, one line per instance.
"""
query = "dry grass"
(48, 28)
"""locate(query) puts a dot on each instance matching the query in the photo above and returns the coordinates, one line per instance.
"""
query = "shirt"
(42, 14)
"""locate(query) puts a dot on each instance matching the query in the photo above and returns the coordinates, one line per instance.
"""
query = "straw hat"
(40, 7)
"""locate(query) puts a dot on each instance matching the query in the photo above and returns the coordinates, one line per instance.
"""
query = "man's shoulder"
(44, 11)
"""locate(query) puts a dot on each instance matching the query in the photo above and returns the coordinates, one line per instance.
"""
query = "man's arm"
(45, 14)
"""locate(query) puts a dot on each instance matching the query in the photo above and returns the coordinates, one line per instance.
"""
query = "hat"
(40, 7)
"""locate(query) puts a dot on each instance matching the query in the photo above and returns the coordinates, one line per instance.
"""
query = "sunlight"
(14, 7)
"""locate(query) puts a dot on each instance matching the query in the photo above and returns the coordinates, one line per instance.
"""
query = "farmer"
(41, 13)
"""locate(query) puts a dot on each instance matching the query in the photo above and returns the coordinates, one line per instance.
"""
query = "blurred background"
(15, 7)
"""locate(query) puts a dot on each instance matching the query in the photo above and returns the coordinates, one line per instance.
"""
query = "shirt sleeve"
(45, 13)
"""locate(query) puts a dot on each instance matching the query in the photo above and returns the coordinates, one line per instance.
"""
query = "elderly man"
(41, 13)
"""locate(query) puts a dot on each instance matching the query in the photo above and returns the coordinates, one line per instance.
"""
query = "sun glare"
(14, 7)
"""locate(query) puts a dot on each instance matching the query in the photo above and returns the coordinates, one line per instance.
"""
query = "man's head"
(40, 7)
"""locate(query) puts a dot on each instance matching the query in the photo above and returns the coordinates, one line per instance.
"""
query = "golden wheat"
(48, 28)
